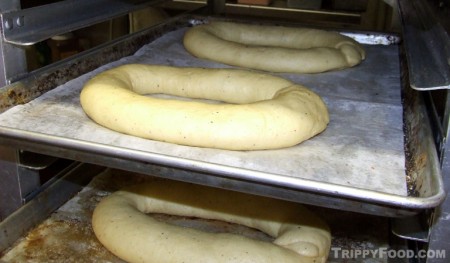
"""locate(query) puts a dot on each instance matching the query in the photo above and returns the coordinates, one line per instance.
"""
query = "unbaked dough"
(273, 48)
(122, 226)
(260, 111)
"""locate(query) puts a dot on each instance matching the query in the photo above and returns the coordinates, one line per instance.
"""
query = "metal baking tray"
(67, 235)
(42, 114)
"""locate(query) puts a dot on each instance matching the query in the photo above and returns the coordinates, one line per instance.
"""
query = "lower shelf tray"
(67, 236)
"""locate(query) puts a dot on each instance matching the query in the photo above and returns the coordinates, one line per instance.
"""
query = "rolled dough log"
(260, 111)
(120, 223)
(273, 48)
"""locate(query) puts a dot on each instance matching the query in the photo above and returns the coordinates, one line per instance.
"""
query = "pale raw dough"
(273, 48)
(121, 225)
(260, 111)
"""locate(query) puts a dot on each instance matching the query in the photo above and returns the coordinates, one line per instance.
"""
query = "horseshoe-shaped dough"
(260, 111)
(120, 223)
(273, 48)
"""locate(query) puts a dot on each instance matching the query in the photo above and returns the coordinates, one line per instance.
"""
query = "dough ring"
(273, 48)
(121, 225)
(260, 111)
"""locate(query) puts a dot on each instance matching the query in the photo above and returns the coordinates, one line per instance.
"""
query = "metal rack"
(24, 27)
(427, 45)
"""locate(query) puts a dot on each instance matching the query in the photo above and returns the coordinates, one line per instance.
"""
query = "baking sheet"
(67, 235)
(361, 148)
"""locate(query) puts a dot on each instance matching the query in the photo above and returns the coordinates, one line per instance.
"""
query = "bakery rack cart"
(39, 172)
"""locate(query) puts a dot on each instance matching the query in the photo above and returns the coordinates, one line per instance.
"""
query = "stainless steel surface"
(440, 230)
(18, 181)
(304, 191)
(372, 15)
(439, 118)
(10, 188)
(29, 182)
(425, 176)
(216, 6)
(374, 38)
(414, 228)
(12, 58)
(34, 212)
(369, 19)
(70, 226)
(420, 146)
(446, 127)
(426, 28)
(427, 46)
(32, 25)
(286, 12)
(35, 161)
(36, 83)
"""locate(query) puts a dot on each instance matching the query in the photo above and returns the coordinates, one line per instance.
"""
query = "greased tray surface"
(67, 235)
(362, 149)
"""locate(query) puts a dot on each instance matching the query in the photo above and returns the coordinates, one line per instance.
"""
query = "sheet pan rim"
(298, 184)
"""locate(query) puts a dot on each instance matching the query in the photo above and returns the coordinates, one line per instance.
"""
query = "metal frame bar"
(427, 46)
(10, 190)
(225, 181)
(20, 222)
(304, 191)
(12, 58)
(440, 230)
(428, 54)
(32, 25)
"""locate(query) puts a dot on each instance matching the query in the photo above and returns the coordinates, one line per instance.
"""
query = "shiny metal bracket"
(427, 46)
(55, 195)
(32, 25)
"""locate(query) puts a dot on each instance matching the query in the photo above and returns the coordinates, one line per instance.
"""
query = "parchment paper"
(361, 148)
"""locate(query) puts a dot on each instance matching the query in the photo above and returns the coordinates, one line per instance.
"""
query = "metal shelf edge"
(427, 47)
(25, 138)
(29, 26)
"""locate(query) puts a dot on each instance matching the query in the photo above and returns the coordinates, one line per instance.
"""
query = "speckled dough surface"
(258, 111)
(273, 48)
(121, 224)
